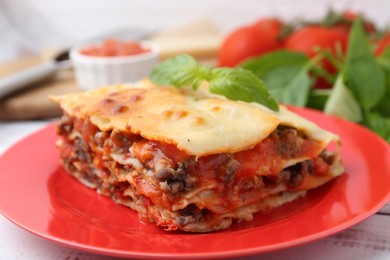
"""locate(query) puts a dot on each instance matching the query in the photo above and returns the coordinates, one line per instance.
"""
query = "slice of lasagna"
(191, 163)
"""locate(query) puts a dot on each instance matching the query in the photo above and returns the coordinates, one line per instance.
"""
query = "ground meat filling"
(291, 143)
(90, 162)
(174, 181)
(189, 215)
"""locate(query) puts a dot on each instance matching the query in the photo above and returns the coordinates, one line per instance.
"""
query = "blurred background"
(33, 32)
(28, 26)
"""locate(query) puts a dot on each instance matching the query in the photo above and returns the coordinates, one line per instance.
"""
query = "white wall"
(50, 21)
(78, 17)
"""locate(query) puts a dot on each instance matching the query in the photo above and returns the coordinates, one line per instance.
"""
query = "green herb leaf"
(332, 18)
(342, 103)
(362, 73)
(383, 107)
(241, 84)
(385, 54)
(318, 98)
(233, 83)
(296, 91)
(380, 125)
(180, 71)
(286, 75)
(274, 60)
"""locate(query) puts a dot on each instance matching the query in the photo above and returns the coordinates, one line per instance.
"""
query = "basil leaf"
(296, 91)
(362, 73)
(384, 105)
(285, 74)
(180, 71)
(386, 53)
(279, 77)
(342, 103)
(234, 83)
(380, 125)
(318, 98)
(278, 59)
(241, 84)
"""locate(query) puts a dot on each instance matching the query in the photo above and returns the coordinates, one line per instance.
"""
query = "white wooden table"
(368, 240)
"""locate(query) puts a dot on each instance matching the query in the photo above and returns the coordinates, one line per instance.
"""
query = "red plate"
(37, 195)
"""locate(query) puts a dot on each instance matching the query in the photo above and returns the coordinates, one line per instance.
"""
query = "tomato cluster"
(270, 34)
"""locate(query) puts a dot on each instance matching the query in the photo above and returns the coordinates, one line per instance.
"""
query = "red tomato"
(382, 44)
(249, 41)
(270, 26)
(307, 39)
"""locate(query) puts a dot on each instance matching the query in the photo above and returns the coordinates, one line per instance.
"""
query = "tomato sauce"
(114, 48)
(267, 157)
(236, 177)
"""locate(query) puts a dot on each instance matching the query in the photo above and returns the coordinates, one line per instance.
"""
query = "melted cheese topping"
(197, 125)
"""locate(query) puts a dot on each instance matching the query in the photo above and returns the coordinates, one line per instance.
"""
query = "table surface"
(369, 239)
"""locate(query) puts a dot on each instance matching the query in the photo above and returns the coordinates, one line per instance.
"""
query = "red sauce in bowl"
(114, 48)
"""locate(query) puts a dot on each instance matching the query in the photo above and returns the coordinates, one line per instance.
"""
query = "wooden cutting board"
(200, 39)
(33, 103)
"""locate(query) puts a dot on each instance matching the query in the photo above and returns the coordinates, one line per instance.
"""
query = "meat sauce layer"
(171, 172)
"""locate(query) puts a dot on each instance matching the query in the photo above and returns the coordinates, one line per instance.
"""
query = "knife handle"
(26, 78)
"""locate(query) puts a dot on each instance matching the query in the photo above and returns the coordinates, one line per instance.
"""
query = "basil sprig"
(362, 73)
(286, 75)
(361, 89)
(233, 83)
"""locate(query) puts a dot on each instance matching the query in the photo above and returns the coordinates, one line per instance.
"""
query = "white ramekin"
(94, 72)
